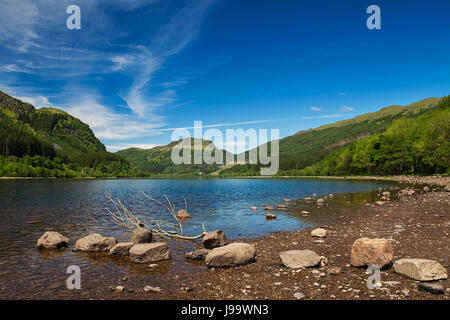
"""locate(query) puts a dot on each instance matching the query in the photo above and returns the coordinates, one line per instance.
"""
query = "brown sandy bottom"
(417, 227)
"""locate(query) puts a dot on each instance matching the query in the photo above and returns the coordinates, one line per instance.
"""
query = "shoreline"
(416, 226)
(433, 180)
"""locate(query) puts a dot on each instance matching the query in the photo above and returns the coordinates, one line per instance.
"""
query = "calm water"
(77, 207)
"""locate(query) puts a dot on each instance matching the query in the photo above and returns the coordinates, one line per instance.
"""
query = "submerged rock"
(372, 252)
(149, 252)
(420, 269)
(52, 240)
(197, 254)
(121, 249)
(95, 243)
(270, 216)
(233, 254)
(183, 214)
(296, 259)
(214, 239)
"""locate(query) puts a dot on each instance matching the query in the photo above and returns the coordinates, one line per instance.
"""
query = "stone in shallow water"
(420, 269)
(121, 249)
(233, 254)
(95, 243)
(52, 240)
(197, 254)
(372, 252)
(149, 252)
(296, 259)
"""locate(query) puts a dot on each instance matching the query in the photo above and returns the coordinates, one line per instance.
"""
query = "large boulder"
(149, 252)
(420, 269)
(52, 240)
(197, 254)
(319, 233)
(296, 259)
(233, 254)
(372, 252)
(214, 239)
(95, 243)
(121, 249)
(141, 235)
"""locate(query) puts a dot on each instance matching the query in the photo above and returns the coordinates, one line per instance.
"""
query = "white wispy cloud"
(230, 124)
(34, 40)
(313, 108)
(346, 109)
(326, 116)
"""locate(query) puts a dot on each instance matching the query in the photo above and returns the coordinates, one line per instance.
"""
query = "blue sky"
(138, 68)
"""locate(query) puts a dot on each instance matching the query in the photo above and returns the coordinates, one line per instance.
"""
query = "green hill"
(411, 145)
(158, 160)
(50, 142)
(308, 147)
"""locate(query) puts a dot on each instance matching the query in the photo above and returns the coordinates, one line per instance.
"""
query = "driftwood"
(124, 217)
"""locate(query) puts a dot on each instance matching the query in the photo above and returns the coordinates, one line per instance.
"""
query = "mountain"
(158, 159)
(308, 147)
(50, 142)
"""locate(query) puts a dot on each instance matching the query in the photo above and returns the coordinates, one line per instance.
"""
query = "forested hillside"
(51, 143)
(305, 152)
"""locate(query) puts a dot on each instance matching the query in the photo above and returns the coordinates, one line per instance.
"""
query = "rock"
(307, 199)
(334, 270)
(386, 194)
(214, 239)
(254, 208)
(372, 252)
(149, 252)
(305, 213)
(296, 259)
(197, 254)
(269, 208)
(320, 200)
(299, 295)
(152, 289)
(52, 240)
(119, 289)
(287, 200)
(319, 233)
(380, 203)
(434, 288)
(420, 269)
(426, 189)
(183, 214)
(406, 192)
(233, 254)
(281, 206)
(95, 243)
(323, 261)
(141, 235)
(331, 195)
(121, 249)
(392, 283)
(270, 216)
